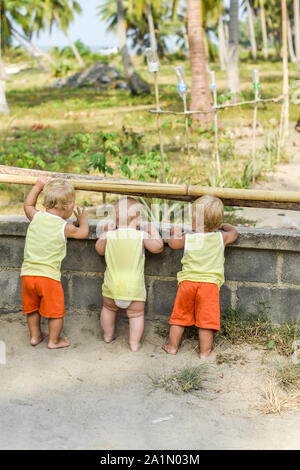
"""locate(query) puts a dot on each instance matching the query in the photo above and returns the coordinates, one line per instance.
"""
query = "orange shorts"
(43, 295)
(197, 303)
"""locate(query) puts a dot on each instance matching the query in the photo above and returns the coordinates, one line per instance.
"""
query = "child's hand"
(109, 226)
(42, 181)
(81, 216)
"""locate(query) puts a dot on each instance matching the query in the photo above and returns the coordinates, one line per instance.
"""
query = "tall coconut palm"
(252, 30)
(297, 27)
(285, 70)
(146, 6)
(233, 80)
(201, 96)
(4, 109)
(136, 83)
(264, 29)
(61, 13)
(222, 45)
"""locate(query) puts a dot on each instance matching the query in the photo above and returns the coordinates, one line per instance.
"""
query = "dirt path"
(285, 178)
(98, 396)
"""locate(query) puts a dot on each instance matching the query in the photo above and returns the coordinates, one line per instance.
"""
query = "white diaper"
(122, 303)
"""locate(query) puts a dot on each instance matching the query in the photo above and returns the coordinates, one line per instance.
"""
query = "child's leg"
(108, 319)
(34, 325)
(206, 338)
(135, 313)
(175, 335)
(55, 327)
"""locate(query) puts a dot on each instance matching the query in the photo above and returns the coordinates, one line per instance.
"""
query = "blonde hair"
(210, 209)
(58, 193)
(128, 210)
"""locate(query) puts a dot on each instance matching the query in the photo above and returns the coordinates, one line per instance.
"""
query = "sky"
(87, 26)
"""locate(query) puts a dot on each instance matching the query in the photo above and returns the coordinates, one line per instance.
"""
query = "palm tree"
(201, 96)
(252, 31)
(4, 109)
(136, 83)
(60, 12)
(263, 28)
(285, 70)
(233, 80)
(297, 28)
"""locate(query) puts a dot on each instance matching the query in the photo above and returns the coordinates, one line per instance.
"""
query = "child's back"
(124, 283)
(125, 261)
(203, 259)
(45, 246)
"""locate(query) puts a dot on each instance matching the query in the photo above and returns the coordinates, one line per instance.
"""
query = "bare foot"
(135, 347)
(209, 355)
(34, 341)
(169, 350)
(109, 340)
(61, 343)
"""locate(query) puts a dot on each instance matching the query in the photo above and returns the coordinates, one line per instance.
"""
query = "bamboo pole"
(180, 192)
(162, 153)
(256, 86)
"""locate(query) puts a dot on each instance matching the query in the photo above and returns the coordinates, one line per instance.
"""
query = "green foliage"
(186, 380)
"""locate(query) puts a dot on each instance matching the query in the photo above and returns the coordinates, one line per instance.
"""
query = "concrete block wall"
(262, 272)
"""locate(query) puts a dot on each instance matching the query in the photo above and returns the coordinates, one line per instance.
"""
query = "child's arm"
(31, 200)
(177, 238)
(101, 242)
(82, 230)
(152, 239)
(229, 233)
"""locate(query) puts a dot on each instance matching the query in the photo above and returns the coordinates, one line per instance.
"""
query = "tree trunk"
(222, 46)
(185, 38)
(264, 29)
(285, 71)
(30, 51)
(252, 31)
(136, 84)
(74, 48)
(4, 109)
(233, 79)
(201, 96)
(297, 28)
(290, 41)
(153, 43)
(35, 48)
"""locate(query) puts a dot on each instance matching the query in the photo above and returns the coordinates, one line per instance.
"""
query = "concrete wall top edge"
(264, 239)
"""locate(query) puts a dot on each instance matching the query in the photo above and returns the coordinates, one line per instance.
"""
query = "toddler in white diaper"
(124, 284)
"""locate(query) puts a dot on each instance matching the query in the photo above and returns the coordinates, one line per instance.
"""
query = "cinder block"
(82, 256)
(250, 265)
(165, 264)
(11, 251)
(164, 294)
(11, 289)
(225, 297)
(86, 292)
(282, 305)
(291, 268)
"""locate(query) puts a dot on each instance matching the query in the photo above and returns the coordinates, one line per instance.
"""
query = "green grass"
(186, 380)
(238, 328)
(61, 113)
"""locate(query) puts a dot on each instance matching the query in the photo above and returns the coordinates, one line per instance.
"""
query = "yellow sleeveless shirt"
(125, 262)
(45, 246)
(203, 259)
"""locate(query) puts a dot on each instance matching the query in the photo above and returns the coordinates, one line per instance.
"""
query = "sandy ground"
(98, 396)
(285, 178)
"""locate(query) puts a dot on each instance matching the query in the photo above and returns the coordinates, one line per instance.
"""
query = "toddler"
(124, 284)
(197, 300)
(45, 248)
